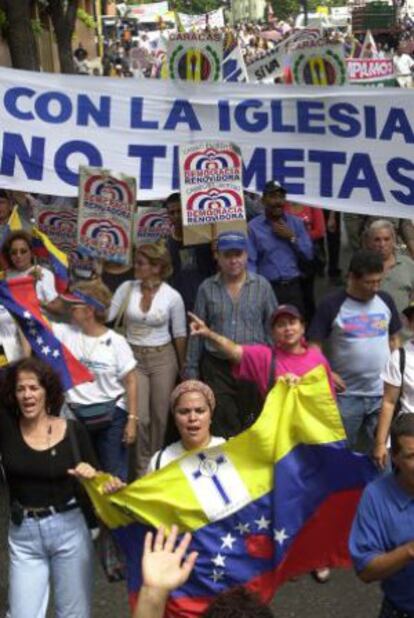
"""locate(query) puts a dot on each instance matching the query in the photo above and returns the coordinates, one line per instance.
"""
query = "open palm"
(164, 565)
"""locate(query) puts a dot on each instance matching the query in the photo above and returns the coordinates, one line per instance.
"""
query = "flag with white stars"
(18, 296)
(272, 503)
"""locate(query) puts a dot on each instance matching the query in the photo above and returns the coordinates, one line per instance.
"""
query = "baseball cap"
(231, 240)
(272, 186)
(79, 298)
(289, 310)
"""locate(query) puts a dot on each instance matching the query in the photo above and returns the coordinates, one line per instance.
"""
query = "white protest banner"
(211, 185)
(319, 65)
(59, 224)
(106, 207)
(213, 19)
(345, 148)
(266, 67)
(370, 70)
(148, 12)
(151, 224)
(195, 57)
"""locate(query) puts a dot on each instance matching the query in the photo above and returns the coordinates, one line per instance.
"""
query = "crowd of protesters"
(203, 317)
(184, 344)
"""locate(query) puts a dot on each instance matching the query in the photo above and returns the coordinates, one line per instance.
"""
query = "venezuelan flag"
(44, 248)
(19, 297)
(272, 503)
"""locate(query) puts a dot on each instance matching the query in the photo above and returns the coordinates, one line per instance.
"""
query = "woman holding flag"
(290, 357)
(17, 252)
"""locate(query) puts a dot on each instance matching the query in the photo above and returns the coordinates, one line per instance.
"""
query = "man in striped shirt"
(237, 304)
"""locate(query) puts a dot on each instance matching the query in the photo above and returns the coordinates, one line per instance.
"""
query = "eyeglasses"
(19, 251)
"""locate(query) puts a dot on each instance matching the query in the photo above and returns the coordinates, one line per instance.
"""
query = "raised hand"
(164, 564)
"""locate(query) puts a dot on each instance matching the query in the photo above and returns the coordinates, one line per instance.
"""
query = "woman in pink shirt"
(290, 357)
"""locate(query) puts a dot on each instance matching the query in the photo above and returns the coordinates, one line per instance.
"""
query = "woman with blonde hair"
(153, 315)
(108, 405)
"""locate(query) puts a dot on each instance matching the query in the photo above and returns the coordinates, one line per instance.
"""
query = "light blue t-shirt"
(384, 521)
(357, 334)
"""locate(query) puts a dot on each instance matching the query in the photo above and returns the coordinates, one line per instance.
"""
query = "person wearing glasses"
(17, 253)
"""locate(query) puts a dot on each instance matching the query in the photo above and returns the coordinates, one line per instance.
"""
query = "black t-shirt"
(39, 478)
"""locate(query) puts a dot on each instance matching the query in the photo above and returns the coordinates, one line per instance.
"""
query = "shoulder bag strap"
(74, 444)
(120, 316)
(402, 368)
(158, 460)
(271, 377)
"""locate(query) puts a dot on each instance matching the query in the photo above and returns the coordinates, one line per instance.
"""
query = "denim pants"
(358, 413)
(109, 446)
(59, 548)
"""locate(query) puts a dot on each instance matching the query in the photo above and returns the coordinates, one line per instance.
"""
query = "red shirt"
(312, 217)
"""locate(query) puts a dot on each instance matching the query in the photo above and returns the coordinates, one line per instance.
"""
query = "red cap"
(290, 310)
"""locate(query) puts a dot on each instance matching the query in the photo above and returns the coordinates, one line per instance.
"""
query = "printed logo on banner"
(100, 190)
(104, 237)
(60, 226)
(151, 225)
(211, 183)
(105, 211)
(320, 66)
(214, 205)
(195, 59)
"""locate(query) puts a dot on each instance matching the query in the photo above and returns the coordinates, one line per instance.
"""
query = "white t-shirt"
(9, 336)
(392, 375)
(151, 328)
(45, 286)
(109, 358)
(403, 64)
(174, 451)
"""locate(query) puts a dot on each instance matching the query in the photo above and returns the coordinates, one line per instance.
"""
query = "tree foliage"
(18, 31)
(290, 8)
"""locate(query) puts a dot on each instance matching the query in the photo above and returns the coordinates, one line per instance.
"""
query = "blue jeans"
(57, 547)
(111, 450)
(358, 413)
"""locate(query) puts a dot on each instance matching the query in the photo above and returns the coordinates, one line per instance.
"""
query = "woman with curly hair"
(154, 317)
(48, 536)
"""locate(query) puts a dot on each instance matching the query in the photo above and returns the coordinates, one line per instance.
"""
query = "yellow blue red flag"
(274, 502)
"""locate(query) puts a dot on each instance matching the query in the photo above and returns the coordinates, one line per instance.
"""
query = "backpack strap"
(272, 370)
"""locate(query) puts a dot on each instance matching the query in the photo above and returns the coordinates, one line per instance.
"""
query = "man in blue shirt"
(279, 246)
(382, 536)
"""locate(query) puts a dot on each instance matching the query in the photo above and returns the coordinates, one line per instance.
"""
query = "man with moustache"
(279, 247)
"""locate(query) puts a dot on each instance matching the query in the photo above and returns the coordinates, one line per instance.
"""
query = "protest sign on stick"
(195, 57)
(211, 186)
(59, 224)
(106, 207)
(321, 65)
(150, 224)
